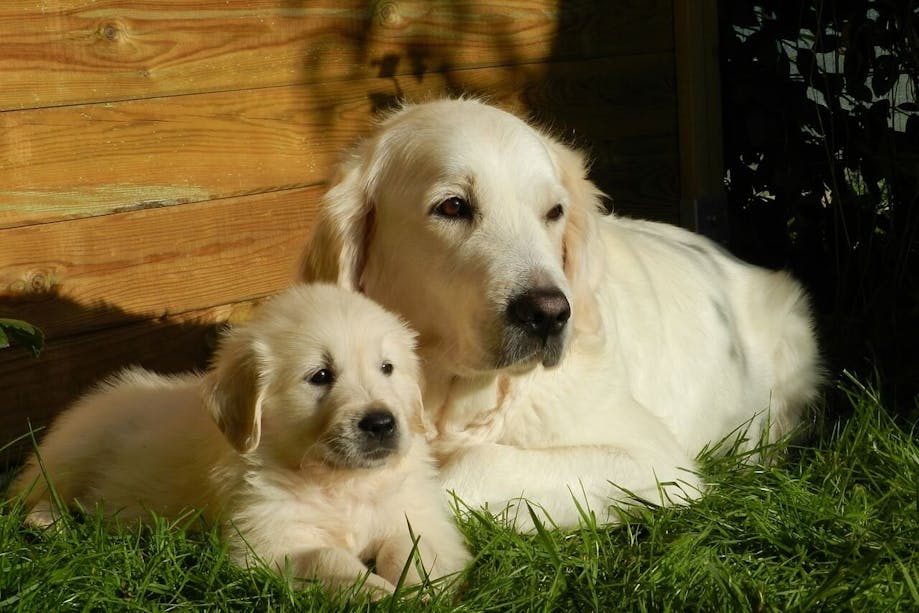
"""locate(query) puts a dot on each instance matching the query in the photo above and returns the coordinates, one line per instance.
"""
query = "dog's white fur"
(258, 446)
(672, 343)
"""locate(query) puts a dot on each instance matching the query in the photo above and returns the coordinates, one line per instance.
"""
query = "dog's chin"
(521, 352)
(360, 460)
(345, 454)
(512, 351)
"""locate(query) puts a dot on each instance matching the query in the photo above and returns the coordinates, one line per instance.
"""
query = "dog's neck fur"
(460, 410)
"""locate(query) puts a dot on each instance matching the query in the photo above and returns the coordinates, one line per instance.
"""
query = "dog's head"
(471, 224)
(320, 374)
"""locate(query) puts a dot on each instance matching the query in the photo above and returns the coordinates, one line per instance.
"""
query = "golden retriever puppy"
(303, 441)
(568, 353)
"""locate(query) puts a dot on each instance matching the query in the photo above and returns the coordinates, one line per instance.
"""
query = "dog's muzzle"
(364, 441)
(378, 433)
(537, 320)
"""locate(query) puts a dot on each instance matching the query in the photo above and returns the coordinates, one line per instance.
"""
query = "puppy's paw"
(43, 516)
(397, 556)
(372, 587)
(340, 571)
(376, 587)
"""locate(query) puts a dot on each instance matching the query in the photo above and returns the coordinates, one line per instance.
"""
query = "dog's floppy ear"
(233, 392)
(419, 422)
(337, 248)
(583, 249)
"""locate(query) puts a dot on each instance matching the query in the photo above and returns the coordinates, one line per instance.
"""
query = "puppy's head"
(319, 374)
(471, 224)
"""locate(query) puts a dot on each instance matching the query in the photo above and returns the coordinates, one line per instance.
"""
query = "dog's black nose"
(379, 424)
(543, 312)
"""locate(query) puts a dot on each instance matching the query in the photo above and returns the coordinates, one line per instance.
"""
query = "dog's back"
(729, 343)
(118, 442)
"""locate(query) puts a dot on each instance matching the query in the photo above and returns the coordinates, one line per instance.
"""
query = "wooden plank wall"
(161, 160)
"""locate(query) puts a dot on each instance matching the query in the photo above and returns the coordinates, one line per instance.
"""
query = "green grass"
(833, 525)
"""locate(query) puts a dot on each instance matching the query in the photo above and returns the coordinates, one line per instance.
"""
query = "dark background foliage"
(821, 131)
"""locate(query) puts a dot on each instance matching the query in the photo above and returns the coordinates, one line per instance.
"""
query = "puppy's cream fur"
(671, 345)
(269, 443)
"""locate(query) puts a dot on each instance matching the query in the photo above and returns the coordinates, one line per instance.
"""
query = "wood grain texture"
(35, 390)
(92, 273)
(75, 52)
(72, 162)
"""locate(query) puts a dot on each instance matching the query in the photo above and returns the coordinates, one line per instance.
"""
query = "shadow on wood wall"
(605, 81)
(70, 366)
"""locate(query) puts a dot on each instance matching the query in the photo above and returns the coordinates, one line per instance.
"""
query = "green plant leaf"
(886, 73)
(21, 333)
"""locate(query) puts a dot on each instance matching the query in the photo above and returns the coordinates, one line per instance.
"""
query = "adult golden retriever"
(566, 353)
(304, 441)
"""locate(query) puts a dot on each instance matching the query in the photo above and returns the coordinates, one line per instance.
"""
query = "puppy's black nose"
(378, 424)
(543, 312)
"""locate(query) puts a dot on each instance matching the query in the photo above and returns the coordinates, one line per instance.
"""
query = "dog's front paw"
(377, 587)
(395, 557)
(371, 586)
(44, 516)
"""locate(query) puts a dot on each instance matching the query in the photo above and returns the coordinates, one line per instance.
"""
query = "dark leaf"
(886, 73)
(880, 109)
(825, 43)
(783, 67)
(859, 91)
(807, 64)
(865, 39)
(21, 333)
(831, 86)
(877, 124)
(855, 67)
(788, 28)
(742, 14)
(912, 129)
(764, 48)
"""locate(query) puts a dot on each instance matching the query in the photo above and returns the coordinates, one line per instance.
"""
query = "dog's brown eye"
(323, 376)
(453, 208)
(555, 213)
(386, 368)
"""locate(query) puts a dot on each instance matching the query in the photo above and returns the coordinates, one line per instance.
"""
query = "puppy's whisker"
(308, 456)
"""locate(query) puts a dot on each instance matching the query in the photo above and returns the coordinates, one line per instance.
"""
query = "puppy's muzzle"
(379, 433)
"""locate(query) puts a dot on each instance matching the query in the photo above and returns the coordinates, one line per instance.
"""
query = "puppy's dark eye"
(386, 368)
(555, 213)
(453, 207)
(323, 376)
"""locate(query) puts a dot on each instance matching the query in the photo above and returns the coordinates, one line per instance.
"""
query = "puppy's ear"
(233, 392)
(583, 249)
(337, 249)
(419, 422)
